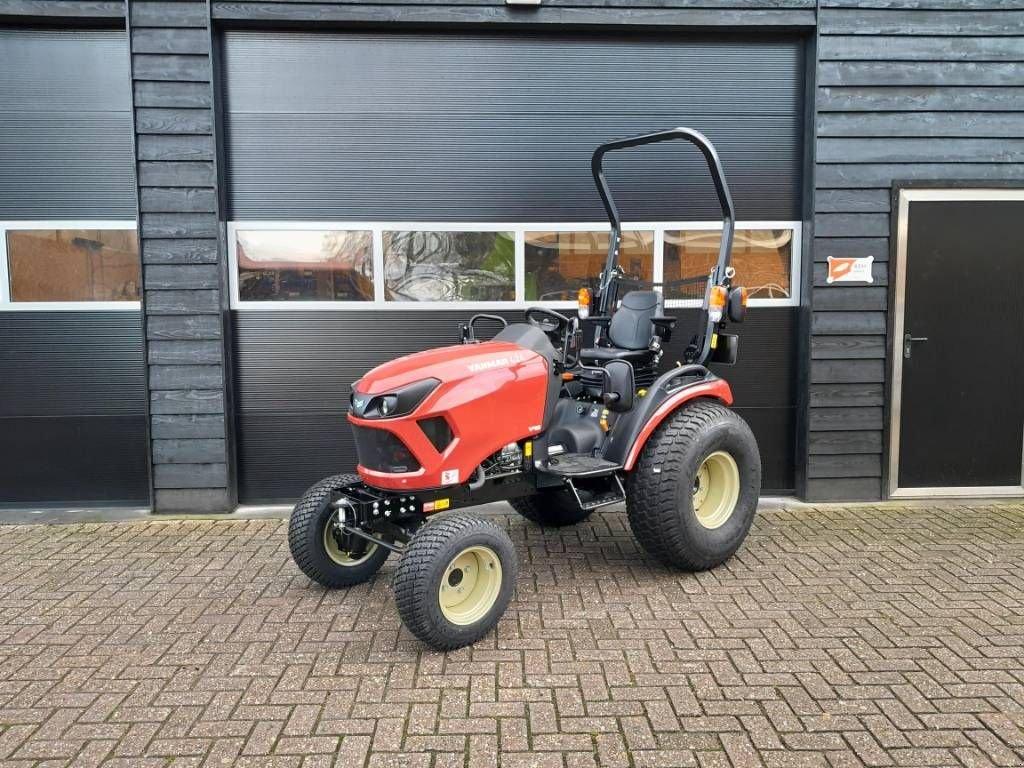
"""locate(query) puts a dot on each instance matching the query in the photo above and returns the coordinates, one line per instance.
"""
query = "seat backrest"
(631, 326)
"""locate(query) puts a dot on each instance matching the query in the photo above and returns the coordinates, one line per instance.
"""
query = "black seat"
(630, 331)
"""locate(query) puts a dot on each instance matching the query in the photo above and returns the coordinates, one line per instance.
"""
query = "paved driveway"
(836, 637)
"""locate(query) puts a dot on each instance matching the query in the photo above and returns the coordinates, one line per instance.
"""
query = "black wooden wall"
(906, 90)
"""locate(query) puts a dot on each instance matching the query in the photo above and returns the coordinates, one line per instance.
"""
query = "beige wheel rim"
(340, 556)
(470, 585)
(716, 489)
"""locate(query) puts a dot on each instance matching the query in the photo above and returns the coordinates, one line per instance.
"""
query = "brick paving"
(837, 637)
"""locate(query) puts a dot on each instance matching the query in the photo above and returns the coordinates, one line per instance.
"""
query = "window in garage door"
(437, 132)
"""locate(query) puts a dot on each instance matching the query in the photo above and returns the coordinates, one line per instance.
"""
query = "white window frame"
(7, 304)
(518, 230)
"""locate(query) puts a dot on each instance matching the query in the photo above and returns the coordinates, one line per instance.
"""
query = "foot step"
(593, 501)
(580, 465)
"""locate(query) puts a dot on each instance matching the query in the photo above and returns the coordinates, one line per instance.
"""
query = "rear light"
(716, 303)
(583, 303)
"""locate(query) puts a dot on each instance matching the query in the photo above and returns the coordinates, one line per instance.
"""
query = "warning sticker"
(450, 477)
(850, 270)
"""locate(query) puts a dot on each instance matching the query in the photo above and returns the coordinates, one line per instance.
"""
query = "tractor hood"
(447, 365)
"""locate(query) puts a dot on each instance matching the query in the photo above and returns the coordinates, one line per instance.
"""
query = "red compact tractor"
(555, 427)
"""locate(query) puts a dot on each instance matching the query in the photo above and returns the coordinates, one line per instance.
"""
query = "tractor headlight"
(401, 402)
(387, 405)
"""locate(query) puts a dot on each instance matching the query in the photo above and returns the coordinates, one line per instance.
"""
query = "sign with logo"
(850, 270)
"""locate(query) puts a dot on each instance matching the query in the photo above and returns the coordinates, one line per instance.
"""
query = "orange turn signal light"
(583, 302)
(717, 297)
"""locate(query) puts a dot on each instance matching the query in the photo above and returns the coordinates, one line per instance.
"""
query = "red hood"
(446, 364)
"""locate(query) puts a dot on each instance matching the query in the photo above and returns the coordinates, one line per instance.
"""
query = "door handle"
(908, 344)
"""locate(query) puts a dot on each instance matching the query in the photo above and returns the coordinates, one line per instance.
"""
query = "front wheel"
(321, 550)
(455, 580)
(692, 495)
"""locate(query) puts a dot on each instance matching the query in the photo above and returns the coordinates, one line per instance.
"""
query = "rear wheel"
(692, 495)
(455, 580)
(552, 507)
(320, 549)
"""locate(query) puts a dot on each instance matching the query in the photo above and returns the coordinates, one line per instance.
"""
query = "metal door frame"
(905, 197)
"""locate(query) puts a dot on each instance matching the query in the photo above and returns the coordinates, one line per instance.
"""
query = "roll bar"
(606, 292)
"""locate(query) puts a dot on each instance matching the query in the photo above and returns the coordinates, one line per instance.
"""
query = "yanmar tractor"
(555, 427)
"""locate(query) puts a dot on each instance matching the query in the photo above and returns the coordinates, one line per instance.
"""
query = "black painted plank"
(185, 377)
(847, 371)
(867, 323)
(187, 225)
(847, 347)
(942, 5)
(154, 147)
(830, 443)
(156, 93)
(173, 121)
(845, 419)
(923, 98)
(852, 200)
(181, 426)
(851, 246)
(862, 21)
(900, 150)
(851, 224)
(166, 327)
(189, 475)
(188, 450)
(165, 174)
(183, 68)
(182, 352)
(923, 124)
(192, 500)
(838, 298)
(169, 14)
(186, 250)
(883, 174)
(844, 489)
(846, 395)
(916, 73)
(845, 465)
(920, 48)
(171, 41)
(182, 302)
(177, 200)
(181, 276)
(186, 401)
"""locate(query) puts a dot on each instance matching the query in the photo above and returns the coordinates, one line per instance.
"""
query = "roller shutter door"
(72, 394)
(417, 127)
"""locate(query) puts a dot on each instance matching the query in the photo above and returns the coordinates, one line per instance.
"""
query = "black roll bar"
(606, 292)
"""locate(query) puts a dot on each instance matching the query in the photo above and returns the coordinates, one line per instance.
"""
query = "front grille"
(382, 451)
(437, 431)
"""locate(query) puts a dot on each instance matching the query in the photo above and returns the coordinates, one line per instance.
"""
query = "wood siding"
(172, 88)
(923, 90)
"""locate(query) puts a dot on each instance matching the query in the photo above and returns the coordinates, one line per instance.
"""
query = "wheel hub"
(470, 585)
(716, 489)
(345, 549)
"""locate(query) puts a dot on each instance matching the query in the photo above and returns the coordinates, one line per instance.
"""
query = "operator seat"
(630, 332)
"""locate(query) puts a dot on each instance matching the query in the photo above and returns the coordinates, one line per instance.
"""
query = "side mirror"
(619, 386)
(736, 308)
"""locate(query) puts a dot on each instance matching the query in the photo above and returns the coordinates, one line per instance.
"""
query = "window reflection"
(449, 266)
(558, 264)
(309, 265)
(73, 265)
(762, 259)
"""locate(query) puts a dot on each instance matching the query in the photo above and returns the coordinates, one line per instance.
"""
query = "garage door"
(382, 186)
(72, 397)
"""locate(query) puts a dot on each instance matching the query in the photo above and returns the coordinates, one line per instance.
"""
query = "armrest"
(664, 322)
(602, 320)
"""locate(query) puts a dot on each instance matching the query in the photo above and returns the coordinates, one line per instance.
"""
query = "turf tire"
(551, 508)
(423, 564)
(660, 488)
(306, 538)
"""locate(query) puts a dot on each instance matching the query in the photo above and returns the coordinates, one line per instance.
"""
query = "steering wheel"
(547, 320)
